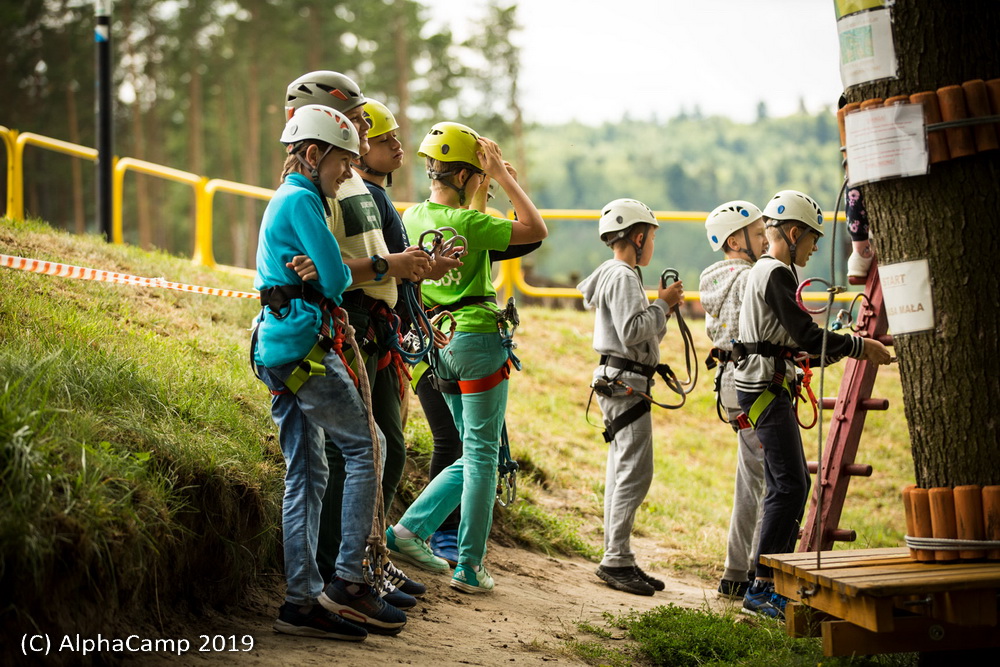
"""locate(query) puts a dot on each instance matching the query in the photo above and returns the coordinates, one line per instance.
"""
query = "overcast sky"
(595, 60)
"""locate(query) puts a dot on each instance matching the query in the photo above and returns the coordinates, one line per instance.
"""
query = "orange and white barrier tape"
(83, 273)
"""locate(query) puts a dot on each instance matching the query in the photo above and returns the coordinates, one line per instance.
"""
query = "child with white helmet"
(737, 229)
(627, 334)
(353, 219)
(321, 144)
(774, 331)
(475, 364)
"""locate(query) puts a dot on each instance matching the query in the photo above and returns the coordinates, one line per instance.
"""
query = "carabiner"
(435, 244)
(669, 273)
(455, 240)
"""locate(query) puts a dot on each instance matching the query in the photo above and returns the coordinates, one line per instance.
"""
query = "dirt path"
(527, 620)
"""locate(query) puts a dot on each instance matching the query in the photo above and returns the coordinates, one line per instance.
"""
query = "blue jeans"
(472, 479)
(785, 474)
(332, 404)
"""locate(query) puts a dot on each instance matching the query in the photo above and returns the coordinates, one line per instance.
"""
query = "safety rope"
(376, 553)
(949, 544)
(690, 354)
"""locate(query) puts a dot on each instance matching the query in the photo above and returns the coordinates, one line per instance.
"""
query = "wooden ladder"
(850, 409)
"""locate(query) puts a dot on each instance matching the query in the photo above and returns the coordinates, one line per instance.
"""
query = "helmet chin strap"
(375, 172)
(314, 174)
(791, 246)
(749, 249)
(440, 176)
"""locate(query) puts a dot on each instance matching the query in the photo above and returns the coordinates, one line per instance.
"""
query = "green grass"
(137, 451)
(672, 636)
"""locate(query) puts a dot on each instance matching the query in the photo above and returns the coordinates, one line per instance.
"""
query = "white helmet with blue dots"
(794, 206)
(727, 219)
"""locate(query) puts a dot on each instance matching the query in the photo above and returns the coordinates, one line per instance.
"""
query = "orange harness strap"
(485, 383)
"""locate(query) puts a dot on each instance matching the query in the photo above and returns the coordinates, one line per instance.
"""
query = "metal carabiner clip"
(434, 245)
(668, 273)
(454, 241)
(507, 489)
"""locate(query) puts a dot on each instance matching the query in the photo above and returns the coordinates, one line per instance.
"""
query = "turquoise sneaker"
(415, 551)
(468, 580)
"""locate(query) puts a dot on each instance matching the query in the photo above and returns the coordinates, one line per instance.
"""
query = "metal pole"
(104, 113)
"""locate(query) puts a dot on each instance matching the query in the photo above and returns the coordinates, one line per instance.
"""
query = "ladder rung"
(851, 469)
(830, 402)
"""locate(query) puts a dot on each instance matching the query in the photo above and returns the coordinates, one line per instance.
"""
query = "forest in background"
(200, 88)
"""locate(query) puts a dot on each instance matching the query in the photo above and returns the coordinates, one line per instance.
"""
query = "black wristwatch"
(380, 265)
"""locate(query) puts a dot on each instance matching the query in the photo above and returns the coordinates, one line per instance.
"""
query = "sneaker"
(734, 590)
(397, 578)
(414, 550)
(858, 265)
(759, 599)
(317, 622)
(624, 579)
(652, 581)
(398, 598)
(468, 580)
(444, 545)
(363, 607)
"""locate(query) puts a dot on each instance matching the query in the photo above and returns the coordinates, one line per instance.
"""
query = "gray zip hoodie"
(721, 287)
(626, 324)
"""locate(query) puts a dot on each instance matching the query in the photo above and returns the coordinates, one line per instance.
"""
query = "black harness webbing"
(278, 297)
(612, 427)
(461, 303)
(779, 382)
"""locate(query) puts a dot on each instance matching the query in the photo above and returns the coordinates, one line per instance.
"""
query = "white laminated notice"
(886, 142)
(906, 291)
(867, 52)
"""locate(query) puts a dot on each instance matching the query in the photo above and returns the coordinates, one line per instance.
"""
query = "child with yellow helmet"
(460, 164)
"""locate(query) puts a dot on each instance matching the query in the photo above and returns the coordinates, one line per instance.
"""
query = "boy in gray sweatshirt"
(737, 229)
(627, 333)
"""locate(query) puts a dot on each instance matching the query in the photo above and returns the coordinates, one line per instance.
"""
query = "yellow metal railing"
(9, 136)
(15, 173)
(203, 243)
(510, 274)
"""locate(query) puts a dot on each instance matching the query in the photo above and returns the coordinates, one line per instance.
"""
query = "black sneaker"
(397, 578)
(360, 604)
(734, 590)
(624, 579)
(652, 581)
(317, 622)
(398, 598)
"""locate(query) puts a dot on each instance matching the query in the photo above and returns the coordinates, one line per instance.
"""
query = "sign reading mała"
(906, 290)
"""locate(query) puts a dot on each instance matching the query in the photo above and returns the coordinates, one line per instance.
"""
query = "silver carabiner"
(455, 240)
(435, 244)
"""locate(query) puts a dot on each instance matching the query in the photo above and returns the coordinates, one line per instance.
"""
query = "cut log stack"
(972, 99)
(967, 512)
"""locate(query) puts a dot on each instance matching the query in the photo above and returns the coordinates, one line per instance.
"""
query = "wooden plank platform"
(881, 601)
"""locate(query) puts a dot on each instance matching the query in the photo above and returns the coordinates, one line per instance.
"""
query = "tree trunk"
(79, 215)
(403, 183)
(949, 375)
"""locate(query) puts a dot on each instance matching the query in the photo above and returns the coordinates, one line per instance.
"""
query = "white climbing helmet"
(789, 205)
(729, 218)
(620, 214)
(322, 123)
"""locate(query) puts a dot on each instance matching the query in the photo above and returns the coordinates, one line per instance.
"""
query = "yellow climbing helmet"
(379, 118)
(451, 142)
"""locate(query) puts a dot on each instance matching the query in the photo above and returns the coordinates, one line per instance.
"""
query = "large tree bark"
(949, 217)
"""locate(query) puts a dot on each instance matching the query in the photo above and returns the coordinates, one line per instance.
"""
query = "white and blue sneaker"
(468, 580)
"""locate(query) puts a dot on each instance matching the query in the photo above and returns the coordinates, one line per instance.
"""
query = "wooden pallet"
(867, 601)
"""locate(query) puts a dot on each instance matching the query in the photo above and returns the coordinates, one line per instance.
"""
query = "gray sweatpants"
(748, 496)
(629, 474)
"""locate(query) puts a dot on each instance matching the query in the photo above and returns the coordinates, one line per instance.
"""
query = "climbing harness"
(779, 382)
(718, 358)
(337, 323)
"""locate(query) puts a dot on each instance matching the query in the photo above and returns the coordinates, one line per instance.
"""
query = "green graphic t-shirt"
(474, 278)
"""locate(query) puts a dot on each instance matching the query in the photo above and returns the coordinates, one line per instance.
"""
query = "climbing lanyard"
(690, 354)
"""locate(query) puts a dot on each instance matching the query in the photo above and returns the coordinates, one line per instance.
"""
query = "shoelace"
(393, 575)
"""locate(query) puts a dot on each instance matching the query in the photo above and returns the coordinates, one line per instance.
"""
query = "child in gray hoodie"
(627, 333)
(737, 229)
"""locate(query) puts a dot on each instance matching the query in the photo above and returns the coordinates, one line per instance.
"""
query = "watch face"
(380, 265)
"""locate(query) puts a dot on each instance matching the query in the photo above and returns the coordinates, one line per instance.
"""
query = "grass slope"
(139, 465)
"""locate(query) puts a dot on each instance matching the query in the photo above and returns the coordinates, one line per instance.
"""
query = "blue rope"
(410, 292)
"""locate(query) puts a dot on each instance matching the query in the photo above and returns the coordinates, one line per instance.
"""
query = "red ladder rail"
(849, 412)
